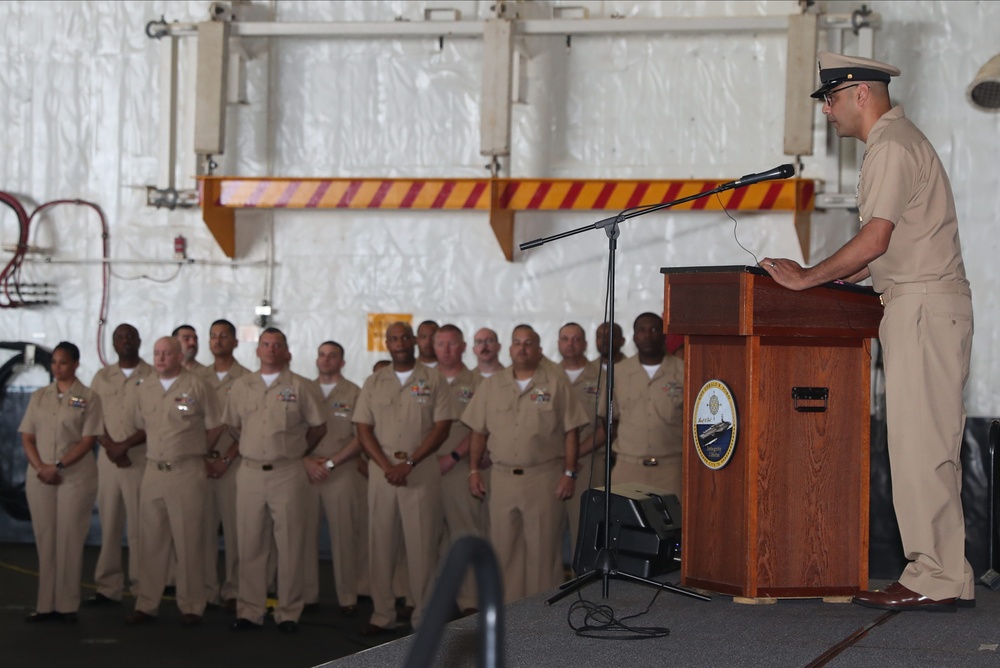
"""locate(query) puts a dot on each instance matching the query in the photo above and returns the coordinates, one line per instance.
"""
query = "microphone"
(780, 172)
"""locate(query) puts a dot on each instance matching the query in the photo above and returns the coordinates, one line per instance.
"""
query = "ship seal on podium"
(714, 424)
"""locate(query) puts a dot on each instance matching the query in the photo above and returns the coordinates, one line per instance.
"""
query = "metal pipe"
(556, 26)
(474, 551)
(192, 261)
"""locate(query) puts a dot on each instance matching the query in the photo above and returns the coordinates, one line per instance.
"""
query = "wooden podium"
(787, 517)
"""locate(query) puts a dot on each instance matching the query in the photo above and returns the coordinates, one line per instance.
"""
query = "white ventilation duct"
(984, 91)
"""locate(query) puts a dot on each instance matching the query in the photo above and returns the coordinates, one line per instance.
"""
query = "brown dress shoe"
(139, 617)
(373, 630)
(898, 597)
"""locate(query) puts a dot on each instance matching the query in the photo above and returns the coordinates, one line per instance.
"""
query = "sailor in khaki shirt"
(120, 468)
(223, 463)
(583, 376)
(528, 417)
(909, 245)
(649, 411)
(278, 416)
(337, 486)
(58, 432)
(403, 416)
(464, 515)
(181, 420)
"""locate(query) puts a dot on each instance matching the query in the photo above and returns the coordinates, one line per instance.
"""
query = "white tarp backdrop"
(79, 118)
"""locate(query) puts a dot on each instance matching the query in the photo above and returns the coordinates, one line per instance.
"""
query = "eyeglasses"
(828, 97)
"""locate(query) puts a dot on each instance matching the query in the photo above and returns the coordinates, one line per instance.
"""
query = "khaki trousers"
(60, 519)
(341, 498)
(118, 508)
(172, 517)
(926, 342)
(464, 515)
(221, 509)
(410, 515)
(526, 528)
(271, 503)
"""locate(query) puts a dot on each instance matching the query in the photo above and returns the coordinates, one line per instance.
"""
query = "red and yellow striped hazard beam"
(500, 197)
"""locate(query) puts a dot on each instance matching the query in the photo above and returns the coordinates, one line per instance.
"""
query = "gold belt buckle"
(163, 466)
(881, 299)
(399, 454)
(650, 462)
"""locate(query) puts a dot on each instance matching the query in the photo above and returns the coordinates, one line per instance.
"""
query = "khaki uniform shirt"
(480, 376)
(115, 390)
(404, 414)
(463, 387)
(525, 428)
(272, 421)
(58, 423)
(902, 180)
(175, 420)
(586, 390)
(650, 411)
(222, 389)
(339, 407)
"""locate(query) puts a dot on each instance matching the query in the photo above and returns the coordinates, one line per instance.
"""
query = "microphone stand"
(606, 565)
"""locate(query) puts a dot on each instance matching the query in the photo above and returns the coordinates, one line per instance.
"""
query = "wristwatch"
(571, 473)
(329, 465)
(410, 463)
(59, 465)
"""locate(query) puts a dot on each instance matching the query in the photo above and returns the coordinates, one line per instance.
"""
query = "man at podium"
(909, 245)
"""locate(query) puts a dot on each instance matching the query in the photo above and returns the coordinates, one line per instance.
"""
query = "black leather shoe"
(405, 614)
(898, 597)
(68, 617)
(288, 626)
(99, 600)
(229, 604)
(189, 619)
(310, 607)
(349, 611)
(965, 602)
(242, 624)
(39, 617)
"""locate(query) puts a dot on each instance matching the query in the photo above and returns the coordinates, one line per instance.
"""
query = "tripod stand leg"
(567, 588)
(663, 585)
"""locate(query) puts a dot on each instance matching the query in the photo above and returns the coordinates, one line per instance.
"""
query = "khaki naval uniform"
(118, 488)
(174, 488)
(221, 508)
(586, 390)
(650, 417)
(342, 498)
(526, 433)
(60, 514)
(926, 336)
(272, 487)
(402, 415)
(464, 514)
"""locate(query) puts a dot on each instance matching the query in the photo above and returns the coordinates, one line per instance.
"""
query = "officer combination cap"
(836, 69)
